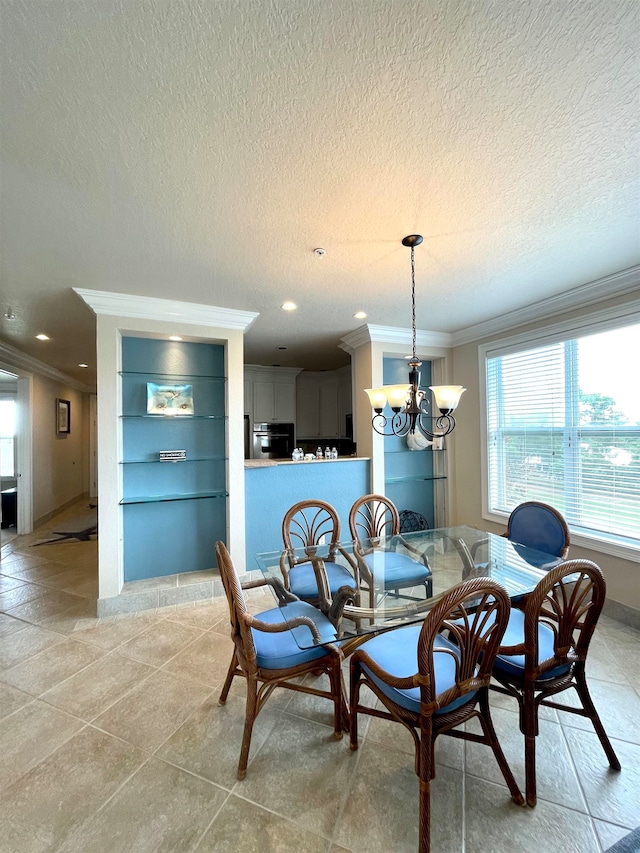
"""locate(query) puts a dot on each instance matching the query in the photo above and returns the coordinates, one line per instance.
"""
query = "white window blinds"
(564, 428)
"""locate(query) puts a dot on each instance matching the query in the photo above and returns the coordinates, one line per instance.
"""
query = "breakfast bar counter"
(273, 485)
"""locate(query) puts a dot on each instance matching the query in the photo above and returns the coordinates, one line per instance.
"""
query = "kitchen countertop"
(270, 463)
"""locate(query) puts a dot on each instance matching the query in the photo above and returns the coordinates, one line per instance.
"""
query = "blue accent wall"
(270, 491)
(173, 512)
(408, 472)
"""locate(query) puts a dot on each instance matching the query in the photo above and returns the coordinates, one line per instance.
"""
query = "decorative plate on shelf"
(169, 399)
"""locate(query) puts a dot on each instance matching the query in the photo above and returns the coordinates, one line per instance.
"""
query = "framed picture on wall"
(63, 417)
(169, 399)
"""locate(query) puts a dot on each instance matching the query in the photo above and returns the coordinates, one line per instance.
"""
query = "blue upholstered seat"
(395, 569)
(540, 526)
(397, 653)
(302, 579)
(514, 636)
(280, 651)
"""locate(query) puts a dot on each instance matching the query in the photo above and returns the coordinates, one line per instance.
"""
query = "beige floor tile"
(160, 809)
(110, 634)
(382, 807)
(20, 595)
(618, 706)
(12, 699)
(301, 773)
(449, 752)
(242, 827)
(29, 735)
(611, 795)
(208, 743)
(206, 660)
(91, 691)
(609, 833)
(51, 666)
(557, 780)
(43, 808)
(203, 615)
(494, 824)
(160, 642)
(10, 625)
(154, 710)
(52, 603)
(8, 583)
(16, 648)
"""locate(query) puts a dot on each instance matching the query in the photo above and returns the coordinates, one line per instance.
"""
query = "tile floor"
(112, 739)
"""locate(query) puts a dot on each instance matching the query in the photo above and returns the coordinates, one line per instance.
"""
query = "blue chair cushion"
(514, 635)
(396, 569)
(396, 652)
(280, 650)
(302, 579)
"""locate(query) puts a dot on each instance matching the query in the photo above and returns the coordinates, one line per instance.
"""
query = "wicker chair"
(306, 525)
(544, 651)
(392, 568)
(432, 682)
(266, 653)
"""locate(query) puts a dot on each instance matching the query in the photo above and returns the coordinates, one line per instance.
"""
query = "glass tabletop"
(452, 554)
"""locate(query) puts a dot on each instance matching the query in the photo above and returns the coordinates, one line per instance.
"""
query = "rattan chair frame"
(475, 614)
(306, 525)
(370, 518)
(568, 599)
(262, 682)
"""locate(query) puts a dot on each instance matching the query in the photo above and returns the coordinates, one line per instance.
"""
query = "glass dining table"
(453, 555)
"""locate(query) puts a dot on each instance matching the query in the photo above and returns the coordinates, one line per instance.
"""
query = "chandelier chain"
(413, 302)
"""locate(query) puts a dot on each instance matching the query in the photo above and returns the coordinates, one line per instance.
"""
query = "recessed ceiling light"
(9, 315)
(289, 306)
(83, 365)
(175, 338)
(360, 315)
(42, 337)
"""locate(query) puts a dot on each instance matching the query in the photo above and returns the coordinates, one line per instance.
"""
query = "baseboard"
(622, 613)
(38, 522)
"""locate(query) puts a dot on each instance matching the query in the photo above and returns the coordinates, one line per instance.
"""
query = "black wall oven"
(272, 441)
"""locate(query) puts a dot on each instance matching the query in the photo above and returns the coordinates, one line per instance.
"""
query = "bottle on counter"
(319, 452)
(327, 452)
(334, 453)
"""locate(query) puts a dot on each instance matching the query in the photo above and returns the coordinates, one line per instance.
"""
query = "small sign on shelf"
(173, 455)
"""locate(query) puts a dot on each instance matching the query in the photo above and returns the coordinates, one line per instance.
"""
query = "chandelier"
(408, 404)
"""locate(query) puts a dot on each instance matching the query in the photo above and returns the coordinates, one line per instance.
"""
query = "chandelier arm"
(398, 424)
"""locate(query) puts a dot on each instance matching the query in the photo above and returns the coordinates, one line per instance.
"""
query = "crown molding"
(394, 335)
(617, 284)
(153, 308)
(20, 361)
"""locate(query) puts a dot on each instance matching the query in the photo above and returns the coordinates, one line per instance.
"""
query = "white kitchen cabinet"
(270, 394)
(318, 410)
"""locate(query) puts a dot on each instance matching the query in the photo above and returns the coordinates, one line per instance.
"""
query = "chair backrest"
(372, 516)
(308, 524)
(240, 631)
(540, 526)
(568, 600)
(474, 614)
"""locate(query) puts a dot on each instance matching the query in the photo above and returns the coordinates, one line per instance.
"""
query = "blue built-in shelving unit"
(410, 475)
(173, 512)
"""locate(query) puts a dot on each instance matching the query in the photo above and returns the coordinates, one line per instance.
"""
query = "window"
(563, 426)
(7, 438)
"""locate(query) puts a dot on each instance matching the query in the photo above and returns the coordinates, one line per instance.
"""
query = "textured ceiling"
(200, 149)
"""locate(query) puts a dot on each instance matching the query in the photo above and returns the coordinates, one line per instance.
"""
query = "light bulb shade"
(447, 396)
(377, 397)
(397, 395)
